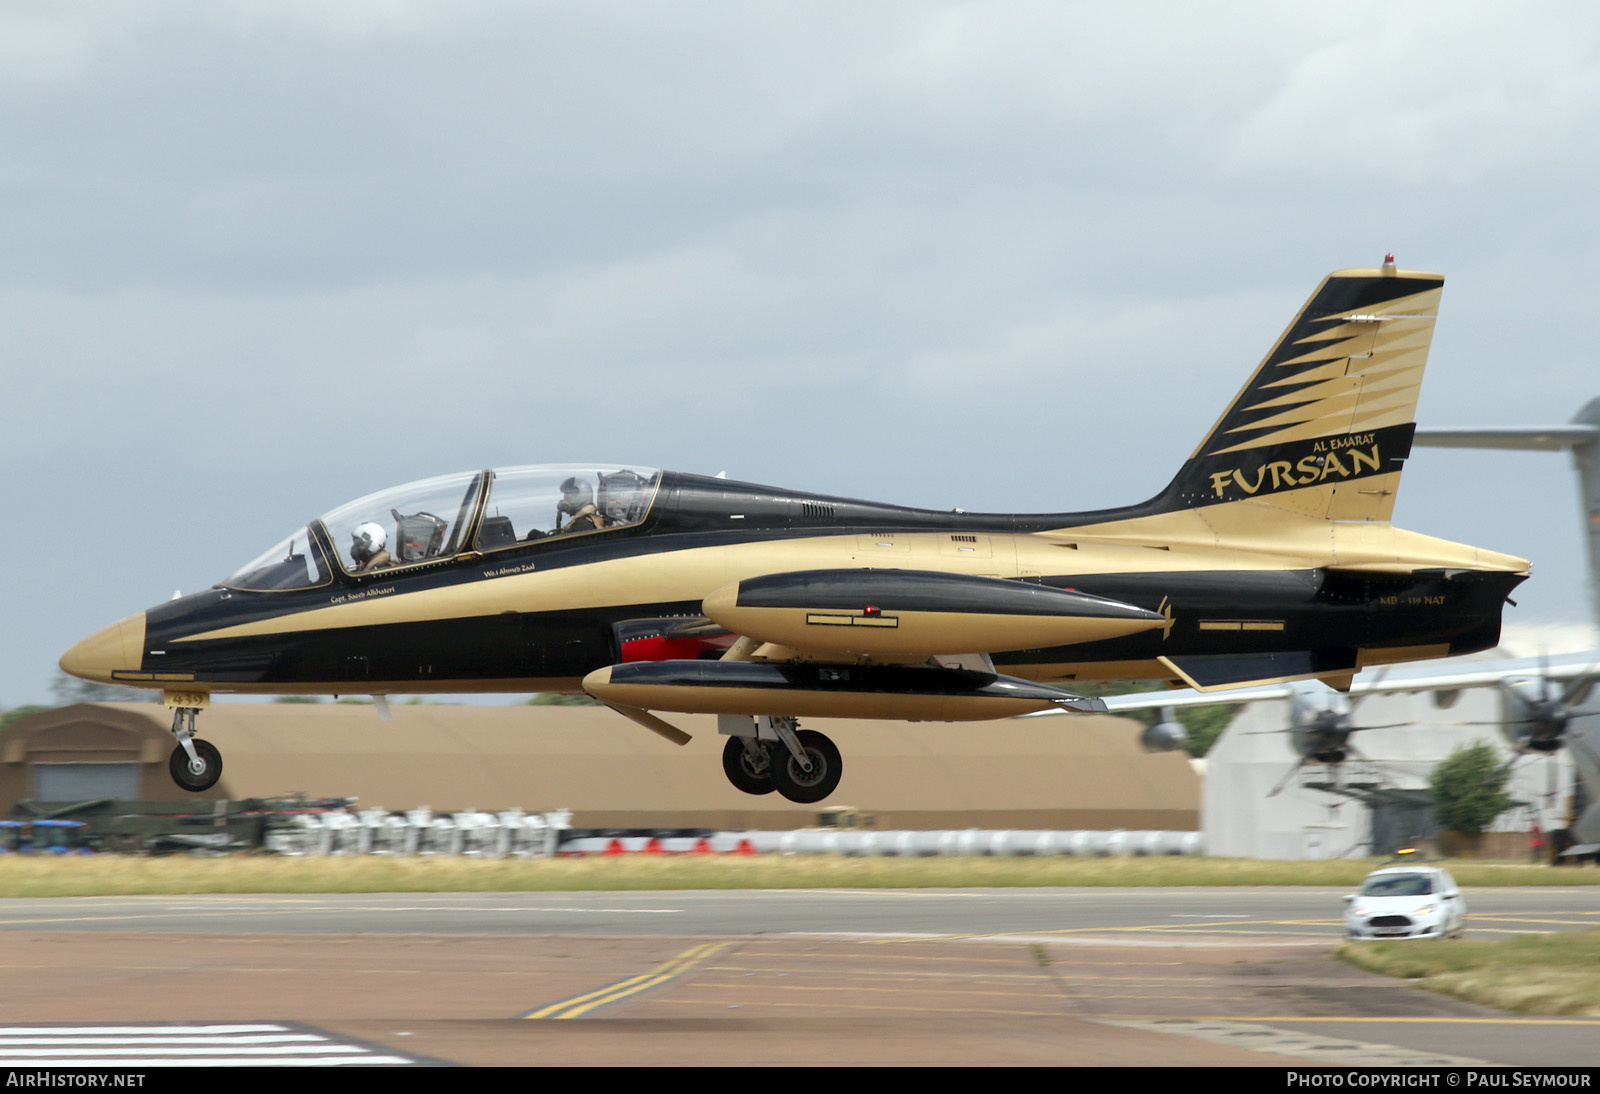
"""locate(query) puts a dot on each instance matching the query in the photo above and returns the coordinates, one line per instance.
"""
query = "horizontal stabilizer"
(1214, 672)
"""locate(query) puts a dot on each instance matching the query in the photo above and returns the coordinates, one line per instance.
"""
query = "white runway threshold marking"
(173, 1045)
(1302, 1045)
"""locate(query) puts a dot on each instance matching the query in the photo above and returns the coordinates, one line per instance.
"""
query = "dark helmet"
(575, 494)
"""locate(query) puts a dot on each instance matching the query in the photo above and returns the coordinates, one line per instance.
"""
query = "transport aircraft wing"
(1567, 670)
(1540, 699)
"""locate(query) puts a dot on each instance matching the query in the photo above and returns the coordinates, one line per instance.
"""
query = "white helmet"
(366, 541)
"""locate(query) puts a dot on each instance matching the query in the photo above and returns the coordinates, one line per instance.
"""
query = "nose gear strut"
(196, 765)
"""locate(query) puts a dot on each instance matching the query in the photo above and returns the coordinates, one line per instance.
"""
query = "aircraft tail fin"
(1325, 423)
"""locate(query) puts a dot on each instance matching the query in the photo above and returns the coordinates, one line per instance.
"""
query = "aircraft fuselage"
(540, 616)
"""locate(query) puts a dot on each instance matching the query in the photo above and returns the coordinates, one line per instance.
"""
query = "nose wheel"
(199, 773)
(196, 765)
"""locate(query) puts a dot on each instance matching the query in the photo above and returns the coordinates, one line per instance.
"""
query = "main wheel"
(749, 773)
(210, 766)
(798, 784)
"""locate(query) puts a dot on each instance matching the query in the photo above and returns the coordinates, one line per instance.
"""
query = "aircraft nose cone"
(119, 647)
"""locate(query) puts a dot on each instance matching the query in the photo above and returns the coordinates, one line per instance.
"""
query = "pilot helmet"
(575, 494)
(366, 541)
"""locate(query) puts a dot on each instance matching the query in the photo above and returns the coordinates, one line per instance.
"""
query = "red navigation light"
(870, 610)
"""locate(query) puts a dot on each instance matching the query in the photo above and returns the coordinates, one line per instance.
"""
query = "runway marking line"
(868, 1006)
(881, 974)
(1096, 977)
(916, 893)
(1154, 928)
(712, 985)
(579, 1005)
(986, 961)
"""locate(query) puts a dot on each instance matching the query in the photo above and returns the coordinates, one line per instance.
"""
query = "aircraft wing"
(861, 642)
(1188, 697)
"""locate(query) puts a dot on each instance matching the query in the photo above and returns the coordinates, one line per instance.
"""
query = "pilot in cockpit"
(577, 504)
(368, 548)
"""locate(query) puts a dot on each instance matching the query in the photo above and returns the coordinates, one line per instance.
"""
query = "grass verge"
(25, 876)
(1557, 973)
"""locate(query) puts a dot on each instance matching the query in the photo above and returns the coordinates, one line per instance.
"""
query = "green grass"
(26, 876)
(1557, 973)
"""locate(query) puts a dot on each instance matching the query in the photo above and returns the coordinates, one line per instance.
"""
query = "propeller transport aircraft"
(1541, 699)
(1269, 557)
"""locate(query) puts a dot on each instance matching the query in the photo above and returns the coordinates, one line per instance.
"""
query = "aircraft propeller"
(1542, 711)
(1320, 728)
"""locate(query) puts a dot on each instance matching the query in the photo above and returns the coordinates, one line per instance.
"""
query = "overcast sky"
(257, 259)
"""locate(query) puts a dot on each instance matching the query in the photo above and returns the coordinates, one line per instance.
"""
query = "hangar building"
(1385, 784)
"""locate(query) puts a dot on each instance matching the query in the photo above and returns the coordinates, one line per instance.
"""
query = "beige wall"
(1063, 772)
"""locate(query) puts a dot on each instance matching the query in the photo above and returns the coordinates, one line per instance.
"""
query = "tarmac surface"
(1126, 977)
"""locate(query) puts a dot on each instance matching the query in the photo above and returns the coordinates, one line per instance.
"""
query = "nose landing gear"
(196, 765)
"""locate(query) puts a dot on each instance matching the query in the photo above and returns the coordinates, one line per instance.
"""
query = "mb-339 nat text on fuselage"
(1270, 556)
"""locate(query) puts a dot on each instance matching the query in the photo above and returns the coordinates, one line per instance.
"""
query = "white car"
(1406, 901)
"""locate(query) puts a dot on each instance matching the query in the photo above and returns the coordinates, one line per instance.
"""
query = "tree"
(1469, 789)
(14, 713)
(557, 699)
(1204, 723)
(69, 689)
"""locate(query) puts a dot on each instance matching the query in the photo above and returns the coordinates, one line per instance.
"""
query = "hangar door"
(85, 781)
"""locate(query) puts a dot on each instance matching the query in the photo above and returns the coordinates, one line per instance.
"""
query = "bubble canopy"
(450, 516)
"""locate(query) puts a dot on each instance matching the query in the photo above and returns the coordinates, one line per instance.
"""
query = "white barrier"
(420, 832)
(968, 842)
(867, 842)
(538, 835)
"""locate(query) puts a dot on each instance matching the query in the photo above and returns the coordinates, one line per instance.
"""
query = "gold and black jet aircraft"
(1270, 556)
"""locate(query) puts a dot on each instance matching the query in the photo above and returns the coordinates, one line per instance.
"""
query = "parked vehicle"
(1406, 900)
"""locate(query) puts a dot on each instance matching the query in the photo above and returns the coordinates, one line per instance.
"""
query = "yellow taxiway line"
(579, 1005)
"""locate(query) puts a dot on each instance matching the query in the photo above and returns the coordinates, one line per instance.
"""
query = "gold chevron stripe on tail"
(1351, 362)
(1323, 427)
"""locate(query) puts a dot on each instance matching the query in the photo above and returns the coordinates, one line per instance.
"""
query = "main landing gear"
(196, 765)
(773, 753)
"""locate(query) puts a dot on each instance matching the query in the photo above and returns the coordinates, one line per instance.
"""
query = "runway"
(1193, 977)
